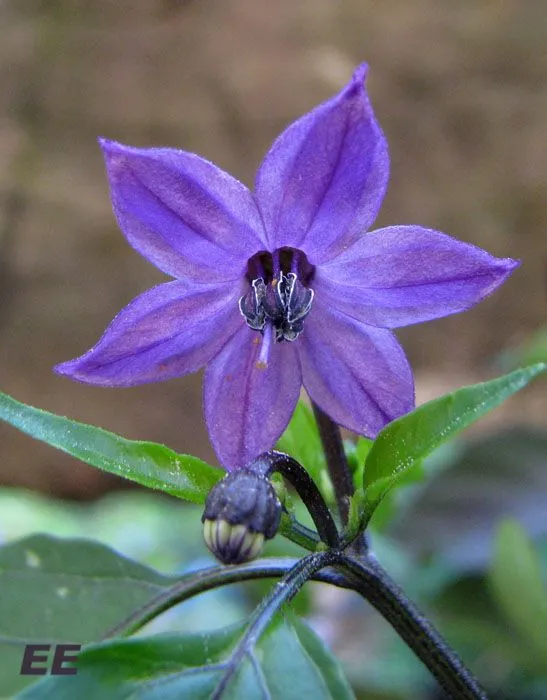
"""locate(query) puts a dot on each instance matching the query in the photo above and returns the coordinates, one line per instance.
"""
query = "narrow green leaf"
(518, 588)
(288, 661)
(331, 670)
(402, 444)
(70, 591)
(356, 454)
(362, 447)
(147, 463)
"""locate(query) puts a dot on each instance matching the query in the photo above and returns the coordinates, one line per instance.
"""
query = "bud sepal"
(242, 511)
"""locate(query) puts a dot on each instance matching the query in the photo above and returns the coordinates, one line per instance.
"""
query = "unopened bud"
(241, 512)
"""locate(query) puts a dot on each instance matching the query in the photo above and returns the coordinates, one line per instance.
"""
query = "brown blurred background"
(458, 87)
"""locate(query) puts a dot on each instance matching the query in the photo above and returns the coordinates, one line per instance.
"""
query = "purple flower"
(283, 287)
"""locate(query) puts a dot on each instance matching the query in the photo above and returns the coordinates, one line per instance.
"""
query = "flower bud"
(241, 512)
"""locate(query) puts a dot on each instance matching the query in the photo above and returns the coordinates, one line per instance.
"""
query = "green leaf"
(330, 669)
(70, 591)
(147, 463)
(362, 447)
(518, 588)
(288, 661)
(402, 444)
(356, 515)
(356, 454)
(301, 440)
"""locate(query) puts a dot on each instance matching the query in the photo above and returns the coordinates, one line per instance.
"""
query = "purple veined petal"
(323, 180)
(357, 374)
(248, 407)
(402, 275)
(183, 213)
(170, 330)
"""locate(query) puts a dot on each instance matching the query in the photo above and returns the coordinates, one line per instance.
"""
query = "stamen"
(262, 362)
(278, 301)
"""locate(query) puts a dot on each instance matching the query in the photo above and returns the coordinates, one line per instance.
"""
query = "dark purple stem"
(337, 462)
(290, 469)
(377, 587)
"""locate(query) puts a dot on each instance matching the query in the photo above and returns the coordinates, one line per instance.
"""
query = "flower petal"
(323, 180)
(168, 331)
(183, 213)
(246, 407)
(357, 374)
(401, 275)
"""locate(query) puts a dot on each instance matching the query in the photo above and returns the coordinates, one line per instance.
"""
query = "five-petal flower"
(283, 287)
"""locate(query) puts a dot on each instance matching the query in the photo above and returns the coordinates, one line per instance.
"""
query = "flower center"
(278, 302)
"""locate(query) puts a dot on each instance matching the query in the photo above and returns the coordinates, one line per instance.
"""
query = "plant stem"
(337, 463)
(214, 577)
(284, 591)
(375, 584)
(308, 492)
(298, 533)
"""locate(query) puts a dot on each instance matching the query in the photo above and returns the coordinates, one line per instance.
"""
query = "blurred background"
(460, 90)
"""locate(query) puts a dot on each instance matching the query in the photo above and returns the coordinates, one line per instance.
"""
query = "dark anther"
(241, 512)
(252, 305)
(284, 303)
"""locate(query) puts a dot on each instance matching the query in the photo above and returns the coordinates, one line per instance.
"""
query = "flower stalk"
(337, 463)
(291, 470)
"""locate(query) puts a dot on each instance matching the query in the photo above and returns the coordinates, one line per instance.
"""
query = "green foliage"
(287, 661)
(146, 463)
(519, 591)
(355, 513)
(65, 591)
(362, 447)
(160, 532)
(356, 454)
(405, 442)
(106, 587)
(47, 585)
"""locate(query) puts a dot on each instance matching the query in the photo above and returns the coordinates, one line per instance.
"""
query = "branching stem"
(283, 592)
(214, 577)
(377, 587)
